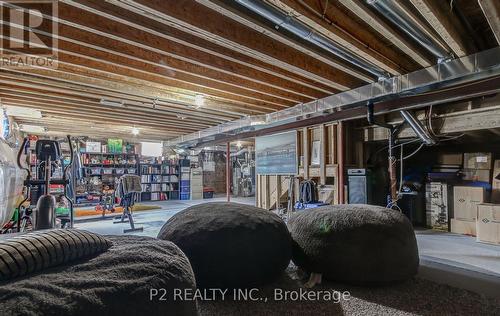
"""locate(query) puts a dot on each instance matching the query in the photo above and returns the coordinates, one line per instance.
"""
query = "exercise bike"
(43, 216)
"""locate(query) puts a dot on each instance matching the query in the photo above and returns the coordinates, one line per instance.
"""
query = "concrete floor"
(151, 221)
(452, 259)
(459, 261)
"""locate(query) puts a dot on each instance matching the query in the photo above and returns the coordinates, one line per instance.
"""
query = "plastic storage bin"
(208, 195)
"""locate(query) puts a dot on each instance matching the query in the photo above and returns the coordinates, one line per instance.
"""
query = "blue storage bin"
(185, 196)
(185, 190)
(185, 183)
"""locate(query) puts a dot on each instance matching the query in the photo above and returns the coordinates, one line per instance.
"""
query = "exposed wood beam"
(380, 26)
(96, 109)
(486, 118)
(99, 74)
(440, 16)
(491, 10)
(146, 109)
(79, 126)
(100, 17)
(139, 95)
(114, 66)
(70, 112)
(114, 52)
(132, 70)
(370, 50)
(332, 60)
(62, 128)
(175, 55)
(185, 15)
(79, 76)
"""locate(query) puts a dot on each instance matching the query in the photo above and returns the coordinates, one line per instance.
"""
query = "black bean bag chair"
(121, 281)
(230, 245)
(354, 243)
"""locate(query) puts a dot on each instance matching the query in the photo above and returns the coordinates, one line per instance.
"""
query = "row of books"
(146, 187)
(156, 178)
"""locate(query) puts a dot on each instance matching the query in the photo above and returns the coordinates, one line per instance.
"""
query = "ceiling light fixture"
(114, 103)
(135, 131)
(19, 111)
(32, 129)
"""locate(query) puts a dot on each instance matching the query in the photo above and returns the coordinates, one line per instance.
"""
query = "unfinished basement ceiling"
(147, 63)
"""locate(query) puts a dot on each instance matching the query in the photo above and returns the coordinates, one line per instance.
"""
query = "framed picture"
(93, 147)
(276, 154)
(115, 146)
(315, 153)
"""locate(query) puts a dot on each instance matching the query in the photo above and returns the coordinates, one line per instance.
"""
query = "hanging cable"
(413, 153)
(431, 129)
(400, 171)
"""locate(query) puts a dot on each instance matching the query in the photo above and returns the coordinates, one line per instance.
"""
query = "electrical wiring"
(396, 146)
(431, 129)
(453, 137)
(429, 121)
(413, 153)
(400, 171)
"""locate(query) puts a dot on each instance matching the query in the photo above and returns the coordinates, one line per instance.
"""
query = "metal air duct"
(392, 10)
(417, 127)
(281, 19)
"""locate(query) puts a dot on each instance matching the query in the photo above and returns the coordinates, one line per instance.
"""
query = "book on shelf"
(157, 187)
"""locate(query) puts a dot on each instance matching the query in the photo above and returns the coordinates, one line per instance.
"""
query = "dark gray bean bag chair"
(115, 282)
(25, 253)
(354, 243)
(230, 245)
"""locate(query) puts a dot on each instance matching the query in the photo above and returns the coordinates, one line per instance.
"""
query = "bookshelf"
(160, 181)
(103, 169)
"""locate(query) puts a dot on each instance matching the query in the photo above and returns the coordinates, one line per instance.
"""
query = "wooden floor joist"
(156, 59)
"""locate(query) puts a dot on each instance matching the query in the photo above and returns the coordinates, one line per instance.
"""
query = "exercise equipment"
(129, 186)
(48, 154)
(108, 201)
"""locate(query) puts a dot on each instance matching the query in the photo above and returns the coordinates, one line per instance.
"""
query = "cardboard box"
(437, 205)
(463, 227)
(450, 159)
(488, 223)
(465, 202)
(483, 175)
(477, 161)
(326, 194)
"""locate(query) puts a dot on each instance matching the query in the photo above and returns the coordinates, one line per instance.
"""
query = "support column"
(340, 161)
(228, 171)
